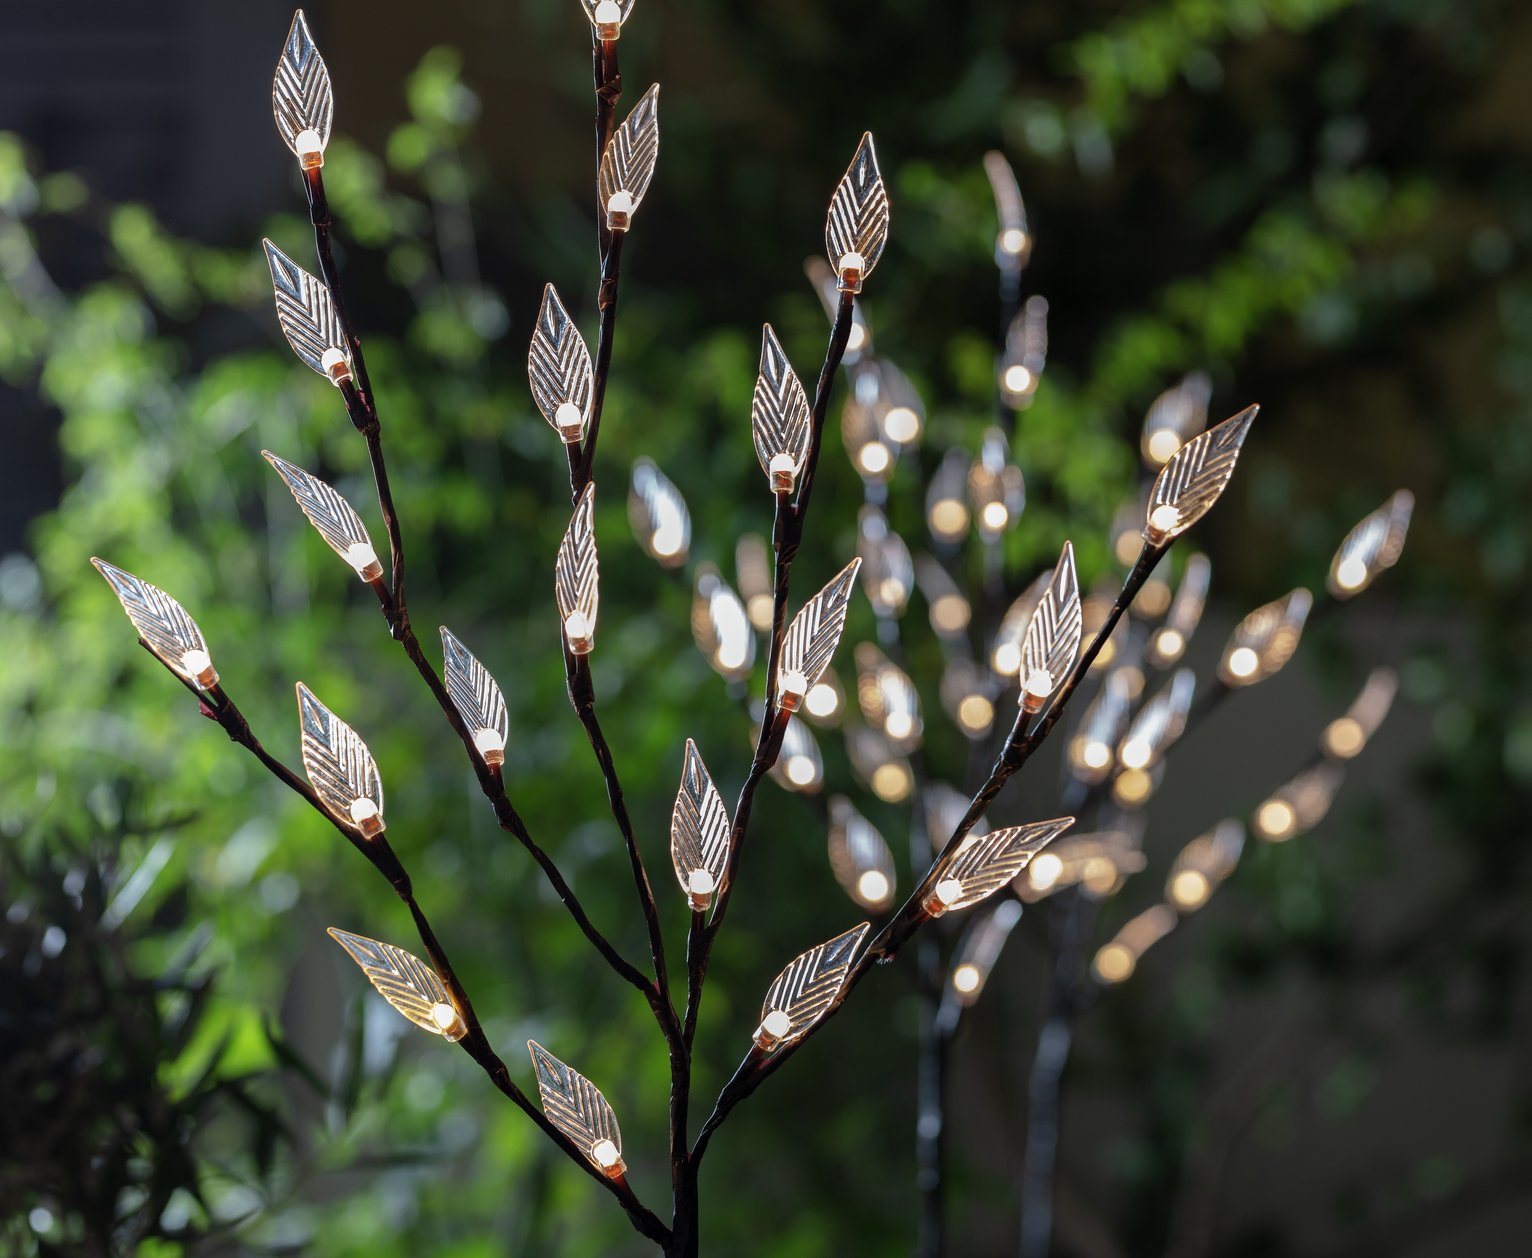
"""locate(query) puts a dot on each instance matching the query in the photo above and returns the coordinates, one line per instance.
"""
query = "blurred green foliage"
(1269, 190)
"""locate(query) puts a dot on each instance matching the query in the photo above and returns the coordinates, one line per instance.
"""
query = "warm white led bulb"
(975, 713)
(446, 1019)
(1136, 753)
(309, 145)
(619, 209)
(995, 516)
(822, 701)
(791, 689)
(608, 19)
(901, 424)
(577, 633)
(364, 559)
(569, 422)
(872, 887)
(966, 978)
(873, 458)
(945, 894)
(1096, 755)
(1038, 687)
(490, 744)
(1189, 889)
(899, 725)
(1013, 241)
(783, 470)
(198, 665)
(1351, 573)
(1163, 446)
(335, 365)
(949, 517)
(1044, 871)
(800, 770)
(774, 1027)
(608, 1157)
(1243, 662)
(1017, 379)
(1162, 521)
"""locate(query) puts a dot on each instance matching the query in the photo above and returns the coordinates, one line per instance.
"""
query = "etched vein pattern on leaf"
(573, 1103)
(475, 694)
(807, 987)
(699, 824)
(301, 96)
(1198, 473)
(331, 515)
(1052, 642)
(402, 979)
(984, 865)
(815, 632)
(628, 163)
(304, 310)
(558, 362)
(160, 620)
(576, 572)
(337, 762)
(779, 410)
(858, 220)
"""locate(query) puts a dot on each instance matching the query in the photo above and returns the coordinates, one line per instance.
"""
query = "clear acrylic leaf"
(1013, 243)
(306, 314)
(888, 571)
(1189, 485)
(576, 1107)
(1093, 748)
(628, 164)
(1204, 863)
(301, 96)
(815, 631)
(163, 624)
(857, 226)
(1174, 417)
(477, 697)
(888, 698)
(980, 949)
(752, 565)
(658, 514)
(1026, 352)
(559, 369)
(576, 575)
(1051, 644)
(1159, 722)
(981, 866)
(995, 486)
(1117, 959)
(1265, 639)
(807, 987)
(1373, 546)
(1167, 644)
(1347, 735)
(860, 857)
(406, 982)
(331, 515)
(1005, 654)
(699, 830)
(799, 767)
(779, 413)
(720, 626)
(338, 764)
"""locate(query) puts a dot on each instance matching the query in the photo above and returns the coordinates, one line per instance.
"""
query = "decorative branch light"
(577, 579)
(825, 703)
(341, 769)
(1118, 959)
(163, 626)
(1194, 478)
(1093, 749)
(981, 866)
(699, 833)
(1051, 644)
(576, 1107)
(980, 949)
(1346, 736)
(1026, 354)
(332, 516)
(307, 316)
(779, 416)
(948, 608)
(1372, 547)
(946, 509)
(1013, 242)
(1300, 804)
(862, 435)
(811, 639)
(799, 767)
(802, 994)
(720, 626)
(875, 760)
(995, 487)
(1168, 643)
(903, 413)
(1265, 640)
(1098, 862)
(302, 99)
(857, 227)
(478, 699)
(658, 515)
(1158, 724)
(860, 857)
(1175, 417)
(559, 370)
(627, 164)
(1005, 655)
(965, 698)
(888, 698)
(752, 565)
(407, 983)
(945, 807)
(1203, 864)
(888, 572)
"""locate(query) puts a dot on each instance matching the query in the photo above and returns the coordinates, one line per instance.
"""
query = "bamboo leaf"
(699, 832)
(813, 636)
(576, 575)
(406, 982)
(779, 416)
(1189, 485)
(576, 1107)
(163, 624)
(307, 317)
(857, 226)
(1052, 641)
(805, 990)
(628, 163)
(301, 97)
(477, 698)
(334, 518)
(559, 370)
(342, 770)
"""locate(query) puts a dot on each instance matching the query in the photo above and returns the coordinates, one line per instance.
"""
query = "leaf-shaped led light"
(966, 695)
(902, 415)
(720, 627)
(779, 416)
(1189, 485)
(1094, 746)
(628, 163)
(1345, 736)
(1005, 654)
(1168, 642)
(1052, 641)
(980, 949)
(559, 370)
(947, 606)
(576, 1107)
(658, 514)
(812, 637)
(699, 833)
(1013, 244)
(406, 982)
(888, 698)
(888, 572)
(1098, 861)
(163, 625)
(878, 763)
(607, 16)
(1116, 960)
(477, 698)
(857, 227)
(1174, 418)
(946, 510)
(862, 435)
(1204, 863)
(1026, 353)
(1301, 804)
(301, 97)
(995, 487)
(1159, 723)
(342, 770)
(1374, 545)
(307, 317)
(860, 857)
(799, 765)
(576, 577)
(1265, 640)
(981, 866)
(801, 994)
(332, 516)
(752, 565)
